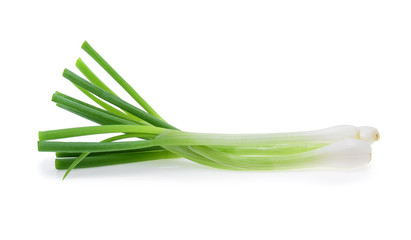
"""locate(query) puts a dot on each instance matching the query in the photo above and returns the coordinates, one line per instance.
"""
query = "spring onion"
(150, 137)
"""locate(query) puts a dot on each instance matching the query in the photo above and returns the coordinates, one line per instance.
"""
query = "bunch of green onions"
(149, 137)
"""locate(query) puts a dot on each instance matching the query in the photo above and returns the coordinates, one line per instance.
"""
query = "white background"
(210, 66)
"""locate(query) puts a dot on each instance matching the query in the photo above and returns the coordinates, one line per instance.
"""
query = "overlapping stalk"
(150, 137)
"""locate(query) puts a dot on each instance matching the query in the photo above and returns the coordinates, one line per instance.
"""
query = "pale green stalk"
(328, 135)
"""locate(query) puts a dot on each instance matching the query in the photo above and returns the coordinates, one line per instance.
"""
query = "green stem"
(86, 71)
(84, 131)
(112, 159)
(115, 100)
(87, 115)
(51, 146)
(185, 152)
(104, 105)
(123, 83)
(88, 109)
(76, 154)
(85, 154)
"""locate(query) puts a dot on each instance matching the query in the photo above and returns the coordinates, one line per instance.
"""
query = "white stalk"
(327, 135)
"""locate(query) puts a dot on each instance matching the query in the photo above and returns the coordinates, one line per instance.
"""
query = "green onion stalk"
(146, 136)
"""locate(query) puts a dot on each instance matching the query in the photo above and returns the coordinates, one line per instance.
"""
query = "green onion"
(340, 146)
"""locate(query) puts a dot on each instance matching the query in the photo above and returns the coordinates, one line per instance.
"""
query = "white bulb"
(347, 153)
(369, 134)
